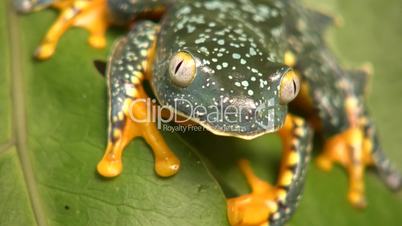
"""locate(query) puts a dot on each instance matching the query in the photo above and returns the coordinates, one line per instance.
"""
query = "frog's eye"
(289, 88)
(182, 69)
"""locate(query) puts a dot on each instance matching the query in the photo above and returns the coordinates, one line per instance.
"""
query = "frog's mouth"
(248, 125)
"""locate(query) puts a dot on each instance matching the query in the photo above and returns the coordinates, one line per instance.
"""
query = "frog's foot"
(136, 123)
(348, 148)
(355, 149)
(257, 207)
(273, 205)
(90, 15)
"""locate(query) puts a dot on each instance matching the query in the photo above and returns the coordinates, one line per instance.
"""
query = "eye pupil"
(178, 67)
(294, 87)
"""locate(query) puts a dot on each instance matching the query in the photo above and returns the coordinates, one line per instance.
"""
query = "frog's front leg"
(355, 149)
(273, 205)
(92, 15)
(128, 66)
(89, 14)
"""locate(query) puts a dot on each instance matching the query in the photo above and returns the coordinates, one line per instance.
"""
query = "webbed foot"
(90, 15)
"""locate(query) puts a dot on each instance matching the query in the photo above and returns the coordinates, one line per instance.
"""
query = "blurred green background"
(53, 132)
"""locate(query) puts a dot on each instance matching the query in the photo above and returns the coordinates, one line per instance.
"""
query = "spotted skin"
(127, 68)
(123, 11)
(329, 92)
(238, 64)
(296, 137)
(242, 49)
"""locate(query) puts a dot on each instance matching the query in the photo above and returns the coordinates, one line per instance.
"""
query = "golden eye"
(182, 69)
(289, 87)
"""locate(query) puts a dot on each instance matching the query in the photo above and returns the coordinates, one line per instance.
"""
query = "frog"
(239, 68)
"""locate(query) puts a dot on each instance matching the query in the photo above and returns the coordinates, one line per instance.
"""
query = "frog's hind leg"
(273, 205)
(91, 15)
(129, 104)
(355, 149)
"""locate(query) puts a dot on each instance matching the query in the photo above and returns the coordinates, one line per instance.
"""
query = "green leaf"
(5, 97)
(15, 208)
(47, 167)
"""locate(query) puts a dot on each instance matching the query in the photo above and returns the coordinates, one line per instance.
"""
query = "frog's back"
(329, 85)
(260, 19)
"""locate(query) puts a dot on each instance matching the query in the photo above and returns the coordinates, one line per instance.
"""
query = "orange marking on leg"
(96, 22)
(111, 164)
(353, 152)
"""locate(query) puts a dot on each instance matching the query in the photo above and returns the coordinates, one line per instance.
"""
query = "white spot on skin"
(236, 56)
(250, 92)
(252, 51)
(190, 28)
(212, 24)
(199, 41)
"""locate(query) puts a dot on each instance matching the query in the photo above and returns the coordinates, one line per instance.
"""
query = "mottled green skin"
(124, 62)
(228, 72)
(328, 83)
(239, 63)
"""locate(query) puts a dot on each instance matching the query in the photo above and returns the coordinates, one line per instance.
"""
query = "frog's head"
(223, 78)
